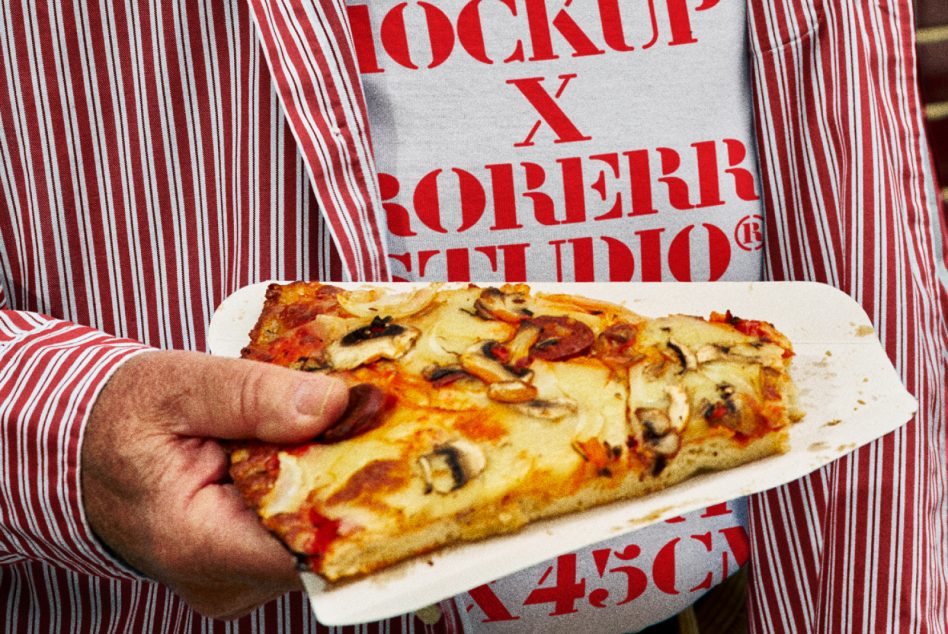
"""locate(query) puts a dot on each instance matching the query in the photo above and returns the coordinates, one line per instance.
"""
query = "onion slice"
(380, 303)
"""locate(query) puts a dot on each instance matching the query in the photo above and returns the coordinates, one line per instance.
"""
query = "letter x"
(565, 130)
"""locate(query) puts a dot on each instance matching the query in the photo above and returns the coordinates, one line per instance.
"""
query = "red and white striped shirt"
(156, 156)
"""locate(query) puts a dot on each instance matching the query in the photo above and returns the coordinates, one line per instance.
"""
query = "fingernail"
(313, 395)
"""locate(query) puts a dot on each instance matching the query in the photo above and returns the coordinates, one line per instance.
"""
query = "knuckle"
(252, 390)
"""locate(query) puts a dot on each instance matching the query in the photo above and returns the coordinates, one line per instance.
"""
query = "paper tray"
(848, 388)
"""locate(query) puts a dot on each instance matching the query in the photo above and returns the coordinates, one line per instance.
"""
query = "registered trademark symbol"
(749, 233)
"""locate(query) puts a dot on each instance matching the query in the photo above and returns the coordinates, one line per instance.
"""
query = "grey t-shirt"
(524, 139)
(576, 140)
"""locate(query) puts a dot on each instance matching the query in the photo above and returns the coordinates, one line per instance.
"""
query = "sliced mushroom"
(493, 303)
(511, 391)
(678, 410)
(379, 328)
(519, 347)
(765, 354)
(549, 409)
(450, 466)
(685, 355)
(711, 352)
(440, 375)
(379, 340)
(658, 432)
(654, 421)
(487, 360)
(666, 445)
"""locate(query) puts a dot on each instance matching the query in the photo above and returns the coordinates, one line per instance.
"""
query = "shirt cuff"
(51, 372)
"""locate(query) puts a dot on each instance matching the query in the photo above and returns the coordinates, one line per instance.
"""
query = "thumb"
(232, 398)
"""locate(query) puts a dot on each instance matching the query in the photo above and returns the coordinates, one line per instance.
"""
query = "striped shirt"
(156, 156)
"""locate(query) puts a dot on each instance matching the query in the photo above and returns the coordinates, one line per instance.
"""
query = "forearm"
(50, 374)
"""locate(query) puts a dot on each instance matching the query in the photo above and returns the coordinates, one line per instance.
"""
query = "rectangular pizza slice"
(474, 411)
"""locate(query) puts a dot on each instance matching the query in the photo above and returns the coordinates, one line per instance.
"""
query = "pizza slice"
(474, 411)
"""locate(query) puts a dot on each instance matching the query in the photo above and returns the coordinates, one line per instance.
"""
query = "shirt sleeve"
(50, 374)
(860, 544)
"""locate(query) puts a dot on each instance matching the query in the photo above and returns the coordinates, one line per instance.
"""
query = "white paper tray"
(848, 388)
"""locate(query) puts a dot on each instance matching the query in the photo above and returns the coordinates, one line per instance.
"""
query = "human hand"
(154, 477)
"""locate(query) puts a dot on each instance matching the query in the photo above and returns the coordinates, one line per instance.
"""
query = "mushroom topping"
(666, 445)
(450, 466)
(380, 327)
(766, 354)
(362, 414)
(561, 338)
(685, 355)
(549, 409)
(655, 422)
(440, 375)
(711, 352)
(511, 391)
(678, 409)
(493, 303)
(379, 340)
(488, 361)
(519, 347)
(658, 434)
